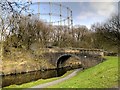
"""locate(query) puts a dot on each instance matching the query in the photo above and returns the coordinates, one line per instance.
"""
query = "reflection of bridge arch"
(64, 58)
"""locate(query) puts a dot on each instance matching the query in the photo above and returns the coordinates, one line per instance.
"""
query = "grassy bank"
(20, 60)
(103, 75)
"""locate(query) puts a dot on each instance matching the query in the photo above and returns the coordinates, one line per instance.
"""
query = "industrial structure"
(52, 13)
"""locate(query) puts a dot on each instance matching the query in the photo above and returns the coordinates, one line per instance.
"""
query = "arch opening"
(68, 60)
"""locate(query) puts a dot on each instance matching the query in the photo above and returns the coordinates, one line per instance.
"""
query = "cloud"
(104, 9)
(68, 0)
(92, 12)
(85, 15)
(95, 10)
(102, 0)
(76, 0)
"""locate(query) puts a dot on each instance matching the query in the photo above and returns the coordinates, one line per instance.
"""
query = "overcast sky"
(87, 12)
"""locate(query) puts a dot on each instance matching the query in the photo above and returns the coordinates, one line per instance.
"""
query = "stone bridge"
(57, 56)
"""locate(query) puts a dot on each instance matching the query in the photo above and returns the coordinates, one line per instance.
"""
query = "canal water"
(33, 76)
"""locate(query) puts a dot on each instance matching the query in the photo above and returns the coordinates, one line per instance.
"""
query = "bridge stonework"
(88, 57)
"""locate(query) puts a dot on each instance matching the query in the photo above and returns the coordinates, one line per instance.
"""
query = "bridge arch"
(61, 59)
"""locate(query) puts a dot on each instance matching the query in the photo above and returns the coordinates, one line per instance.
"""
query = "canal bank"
(26, 66)
(103, 75)
(59, 80)
(102, 78)
(37, 82)
(33, 76)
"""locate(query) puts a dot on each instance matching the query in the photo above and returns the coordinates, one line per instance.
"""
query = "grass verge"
(104, 75)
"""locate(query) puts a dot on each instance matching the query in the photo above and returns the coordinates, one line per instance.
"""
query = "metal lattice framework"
(52, 13)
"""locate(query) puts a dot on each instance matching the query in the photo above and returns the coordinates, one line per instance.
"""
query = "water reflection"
(33, 76)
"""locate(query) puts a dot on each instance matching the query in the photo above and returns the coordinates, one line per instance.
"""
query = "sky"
(85, 12)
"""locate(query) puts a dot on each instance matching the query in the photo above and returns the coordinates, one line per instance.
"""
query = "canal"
(33, 76)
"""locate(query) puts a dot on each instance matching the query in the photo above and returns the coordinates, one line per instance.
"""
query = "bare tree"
(109, 32)
(10, 14)
(80, 32)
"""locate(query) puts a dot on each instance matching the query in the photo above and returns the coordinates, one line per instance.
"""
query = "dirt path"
(57, 81)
